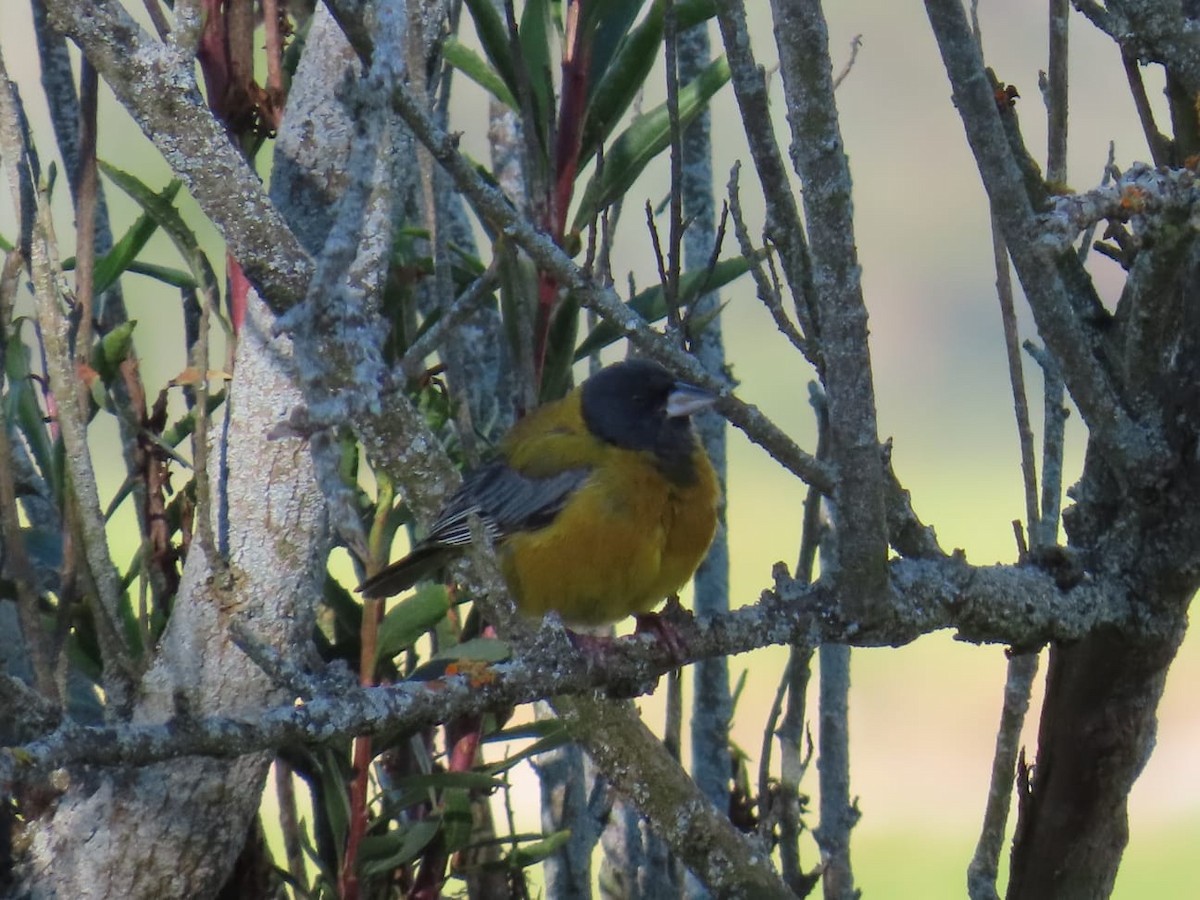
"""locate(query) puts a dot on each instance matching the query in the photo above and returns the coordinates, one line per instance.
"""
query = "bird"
(600, 504)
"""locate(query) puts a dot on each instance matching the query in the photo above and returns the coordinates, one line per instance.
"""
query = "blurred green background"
(922, 717)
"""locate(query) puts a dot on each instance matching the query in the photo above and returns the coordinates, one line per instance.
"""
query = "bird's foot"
(668, 626)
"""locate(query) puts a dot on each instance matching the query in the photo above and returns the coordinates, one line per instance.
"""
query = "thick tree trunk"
(1097, 731)
(175, 829)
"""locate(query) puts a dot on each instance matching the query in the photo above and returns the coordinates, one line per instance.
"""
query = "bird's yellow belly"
(624, 542)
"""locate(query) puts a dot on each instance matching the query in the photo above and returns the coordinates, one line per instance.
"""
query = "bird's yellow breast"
(627, 538)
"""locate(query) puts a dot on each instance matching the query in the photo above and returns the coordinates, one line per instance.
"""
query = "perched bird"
(600, 504)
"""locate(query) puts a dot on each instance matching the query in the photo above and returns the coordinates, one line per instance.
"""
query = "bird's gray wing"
(506, 502)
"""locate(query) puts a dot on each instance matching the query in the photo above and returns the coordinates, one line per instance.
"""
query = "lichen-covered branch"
(819, 158)
(1133, 446)
(1016, 605)
(158, 88)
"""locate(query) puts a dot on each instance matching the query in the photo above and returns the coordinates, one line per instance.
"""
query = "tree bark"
(174, 829)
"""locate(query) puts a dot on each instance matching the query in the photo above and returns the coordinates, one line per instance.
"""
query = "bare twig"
(1053, 438)
(289, 827)
(783, 226)
(46, 275)
(1134, 448)
(1159, 143)
(1016, 377)
(855, 46)
(136, 66)
(157, 18)
(766, 288)
(981, 874)
(1056, 94)
(462, 308)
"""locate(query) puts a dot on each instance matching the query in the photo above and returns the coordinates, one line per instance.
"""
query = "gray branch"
(1133, 447)
(157, 86)
(1019, 606)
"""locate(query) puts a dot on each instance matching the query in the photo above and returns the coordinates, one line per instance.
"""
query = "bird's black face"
(633, 405)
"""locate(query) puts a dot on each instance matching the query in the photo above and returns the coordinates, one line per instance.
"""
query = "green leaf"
(651, 303)
(532, 854)
(165, 274)
(410, 618)
(4, 244)
(335, 782)
(477, 69)
(23, 409)
(609, 24)
(493, 37)
(624, 74)
(169, 219)
(534, 32)
(113, 349)
(444, 781)
(457, 821)
(537, 729)
(380, 853)
(643, 140)
(490, 650)
(121, 257)
(560, 343)
(551, 741)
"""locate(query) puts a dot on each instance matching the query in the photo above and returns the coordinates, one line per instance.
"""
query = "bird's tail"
(422, 563)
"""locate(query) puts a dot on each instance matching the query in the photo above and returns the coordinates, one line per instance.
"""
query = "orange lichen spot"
(478, 672)
(1133, 200)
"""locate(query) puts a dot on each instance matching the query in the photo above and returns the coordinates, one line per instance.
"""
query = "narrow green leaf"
(174, 277)
(493, 37)
(23, 409)
(621, 80)
(532, 854)
(477, 69)
(457, 821)
(335, 792)
(123, 253)
(443, 781)
(170, 221)
(623, 75)
(643, 140)
(564, 331)
(176, 434)
(385, 852)
(537, 729)
(609, 24)
(534, 32)
(411, 618)
(651, 303)
(551, 741)
(490, 650)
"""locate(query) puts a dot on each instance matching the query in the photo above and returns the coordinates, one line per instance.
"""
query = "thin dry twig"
(60, 370)
(767, 288)
(855, 46)
(981, 873)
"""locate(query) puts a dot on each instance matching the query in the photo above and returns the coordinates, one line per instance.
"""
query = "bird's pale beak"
(687, 399)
